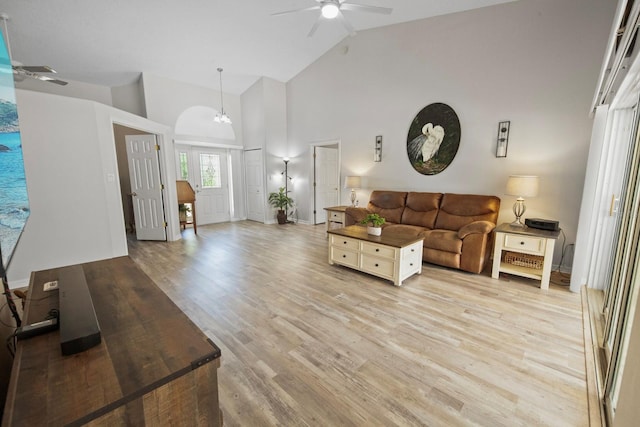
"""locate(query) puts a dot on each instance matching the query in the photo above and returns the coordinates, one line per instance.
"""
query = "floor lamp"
(285, 173)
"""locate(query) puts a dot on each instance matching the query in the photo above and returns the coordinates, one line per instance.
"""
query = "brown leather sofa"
(457, 228)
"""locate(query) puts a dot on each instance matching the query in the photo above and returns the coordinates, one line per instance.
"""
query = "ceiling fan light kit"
(332, 9)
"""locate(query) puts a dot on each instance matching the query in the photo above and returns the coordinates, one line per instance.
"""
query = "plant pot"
(282, 217)
(374, 231)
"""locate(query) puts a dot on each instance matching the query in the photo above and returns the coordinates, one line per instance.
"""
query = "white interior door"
(211, 185)
(146, 187)
(255, 184)
(327, 181)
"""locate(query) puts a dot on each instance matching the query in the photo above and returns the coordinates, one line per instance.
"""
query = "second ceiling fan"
(332, 9)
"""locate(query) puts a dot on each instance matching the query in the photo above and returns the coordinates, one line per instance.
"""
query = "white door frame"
(170, 201)
(312, 165)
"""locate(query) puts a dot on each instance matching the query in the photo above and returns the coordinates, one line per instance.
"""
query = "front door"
(146, 187)
(211, 185)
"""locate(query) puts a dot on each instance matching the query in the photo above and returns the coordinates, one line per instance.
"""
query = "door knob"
(134, 194)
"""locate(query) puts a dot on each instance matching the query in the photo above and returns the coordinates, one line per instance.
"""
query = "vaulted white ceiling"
(111, 42)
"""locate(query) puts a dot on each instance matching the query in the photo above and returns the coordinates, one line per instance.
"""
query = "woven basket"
(523, 260)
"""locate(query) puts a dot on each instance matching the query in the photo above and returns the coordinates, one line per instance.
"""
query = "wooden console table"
(153, 366)
(187, 195)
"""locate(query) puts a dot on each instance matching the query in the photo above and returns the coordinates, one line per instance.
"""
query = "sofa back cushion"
(421, 209)
(388, 204)
(458, 210)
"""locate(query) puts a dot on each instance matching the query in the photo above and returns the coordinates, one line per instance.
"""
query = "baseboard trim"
(596, 410)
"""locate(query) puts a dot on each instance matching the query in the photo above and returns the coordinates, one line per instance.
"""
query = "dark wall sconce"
(503, 139)
(377, 153)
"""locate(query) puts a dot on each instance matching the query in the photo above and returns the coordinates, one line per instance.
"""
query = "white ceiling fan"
(32, 71)
(332, 9)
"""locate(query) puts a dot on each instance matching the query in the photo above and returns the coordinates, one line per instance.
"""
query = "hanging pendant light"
(221, 117)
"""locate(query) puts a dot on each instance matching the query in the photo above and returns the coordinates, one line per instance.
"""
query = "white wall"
(74, 195)
(73, 89)
(129, 98)
(165, 100)
(533, 62)
(264, 110)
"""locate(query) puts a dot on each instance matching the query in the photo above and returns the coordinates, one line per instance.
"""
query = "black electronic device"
(37, 328)
(542, 224)
(79, 329)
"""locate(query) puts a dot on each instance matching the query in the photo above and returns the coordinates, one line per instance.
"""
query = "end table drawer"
(524, 243)
(345, 242)
(335, 216)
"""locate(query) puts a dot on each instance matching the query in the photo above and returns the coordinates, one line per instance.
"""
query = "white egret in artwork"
(427, 144)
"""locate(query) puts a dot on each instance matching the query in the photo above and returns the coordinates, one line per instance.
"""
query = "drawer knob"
(413, 250)
(410, 264)
(344, 256)
(376, 265)
(377, 249)
(344, 243)
(522, 243)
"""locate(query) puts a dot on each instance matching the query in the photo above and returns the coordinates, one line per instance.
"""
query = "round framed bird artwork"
(433, 139)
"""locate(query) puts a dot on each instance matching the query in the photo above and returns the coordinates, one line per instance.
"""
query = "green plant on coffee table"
(373, 219)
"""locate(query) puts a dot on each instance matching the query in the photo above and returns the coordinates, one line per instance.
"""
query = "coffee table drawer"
(345, 243)
(379, 266)
(344, 256)
(378, 250)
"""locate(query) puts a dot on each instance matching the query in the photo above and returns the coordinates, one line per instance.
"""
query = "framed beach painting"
(14, 202)
(433, 139)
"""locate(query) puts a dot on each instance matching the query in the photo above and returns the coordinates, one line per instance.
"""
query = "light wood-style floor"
(309, 344)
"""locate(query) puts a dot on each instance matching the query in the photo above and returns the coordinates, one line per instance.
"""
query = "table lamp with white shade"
(352, 182)
(521, 186)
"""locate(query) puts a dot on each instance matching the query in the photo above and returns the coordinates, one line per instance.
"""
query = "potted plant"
(281, 201)
(183, 209)
(374, 222)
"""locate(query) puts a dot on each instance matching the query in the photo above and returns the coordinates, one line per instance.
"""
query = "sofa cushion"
(421, 209)
(443, 240)
(458, 210)
(403, 229)
(388, 204)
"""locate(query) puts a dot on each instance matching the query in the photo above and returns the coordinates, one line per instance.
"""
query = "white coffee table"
(390, 256)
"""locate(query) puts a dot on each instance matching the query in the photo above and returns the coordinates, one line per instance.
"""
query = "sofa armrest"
(476, 227)
(354, 215)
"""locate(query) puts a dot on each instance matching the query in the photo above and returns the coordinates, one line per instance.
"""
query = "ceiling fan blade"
(315, 26)
(20, 73)
(37, 68)
(346, 24)
(364, 8)
(51, 80)
(296, 10)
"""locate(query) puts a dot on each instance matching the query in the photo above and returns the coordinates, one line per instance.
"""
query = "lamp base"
(517, 223)
(353, 197)
(518, 210)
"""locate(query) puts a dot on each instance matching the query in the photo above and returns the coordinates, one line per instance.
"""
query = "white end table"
(335, 216)
(528, 241)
